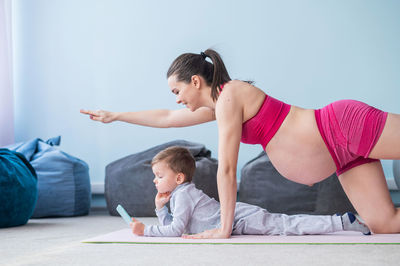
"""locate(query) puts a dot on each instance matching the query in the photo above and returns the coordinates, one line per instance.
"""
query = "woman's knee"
(388, 224)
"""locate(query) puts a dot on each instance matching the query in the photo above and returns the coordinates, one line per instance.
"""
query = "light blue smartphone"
(124, 214)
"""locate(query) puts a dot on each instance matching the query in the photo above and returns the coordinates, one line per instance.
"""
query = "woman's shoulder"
(240, 97)
(235, 83)
(239, 89)
(233, 96)
(233, 87)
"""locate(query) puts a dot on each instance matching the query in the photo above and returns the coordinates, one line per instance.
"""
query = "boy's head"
(172, 167)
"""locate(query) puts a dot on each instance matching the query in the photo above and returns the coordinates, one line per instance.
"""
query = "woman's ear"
(196, 81)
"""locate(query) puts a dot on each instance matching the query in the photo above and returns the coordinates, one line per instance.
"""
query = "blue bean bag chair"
(63, 180)
(18, 189)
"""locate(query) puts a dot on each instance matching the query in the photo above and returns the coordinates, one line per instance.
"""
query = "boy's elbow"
(173, 234)
(177, 233)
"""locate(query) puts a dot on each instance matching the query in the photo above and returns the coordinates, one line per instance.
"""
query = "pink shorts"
(350, 129)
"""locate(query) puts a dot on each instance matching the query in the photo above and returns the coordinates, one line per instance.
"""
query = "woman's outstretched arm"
(155, 118)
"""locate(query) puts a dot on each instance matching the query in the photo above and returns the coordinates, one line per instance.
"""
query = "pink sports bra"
(262, 127)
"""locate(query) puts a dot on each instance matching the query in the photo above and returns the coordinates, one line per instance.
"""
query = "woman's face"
(186, 93)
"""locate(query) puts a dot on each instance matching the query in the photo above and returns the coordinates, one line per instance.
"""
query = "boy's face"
(166, 180)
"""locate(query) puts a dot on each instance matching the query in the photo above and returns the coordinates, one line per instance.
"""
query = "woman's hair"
(189, 64)
(179, 159)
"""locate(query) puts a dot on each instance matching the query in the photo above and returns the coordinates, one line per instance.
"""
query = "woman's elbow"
(227, 172)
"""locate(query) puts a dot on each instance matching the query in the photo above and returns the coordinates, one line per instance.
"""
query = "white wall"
(114, 54)
(6, 89)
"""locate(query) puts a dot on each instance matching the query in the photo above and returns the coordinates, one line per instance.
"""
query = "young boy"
(192, 211)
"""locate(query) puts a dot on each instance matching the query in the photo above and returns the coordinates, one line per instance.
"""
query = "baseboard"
(97, 188)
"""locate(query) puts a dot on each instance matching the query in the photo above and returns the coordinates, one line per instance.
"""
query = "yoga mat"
(125, 236)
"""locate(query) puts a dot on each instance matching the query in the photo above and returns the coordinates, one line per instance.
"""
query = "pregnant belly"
(302, 167)
(298, 151)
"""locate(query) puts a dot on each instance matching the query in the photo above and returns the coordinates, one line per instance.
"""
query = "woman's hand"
(137, 227)
(213, 233)
(162, 199)
(100, 115)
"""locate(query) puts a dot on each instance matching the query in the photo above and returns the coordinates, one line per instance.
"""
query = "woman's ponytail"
(220, 74)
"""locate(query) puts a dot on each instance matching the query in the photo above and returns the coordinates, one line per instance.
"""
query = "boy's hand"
(162, 199)
(137, 227)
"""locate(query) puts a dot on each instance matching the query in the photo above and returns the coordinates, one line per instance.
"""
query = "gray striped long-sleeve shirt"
(194, 212)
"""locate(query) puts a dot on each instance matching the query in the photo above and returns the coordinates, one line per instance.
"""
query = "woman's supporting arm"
(230, 117)
(229, 113)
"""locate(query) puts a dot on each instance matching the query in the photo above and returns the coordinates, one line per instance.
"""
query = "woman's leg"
(388, 145)
(366, 188)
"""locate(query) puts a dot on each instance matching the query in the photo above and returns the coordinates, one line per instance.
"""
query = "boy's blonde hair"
(179, 159)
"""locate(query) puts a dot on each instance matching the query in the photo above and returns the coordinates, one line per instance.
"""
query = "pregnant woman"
(305, 145)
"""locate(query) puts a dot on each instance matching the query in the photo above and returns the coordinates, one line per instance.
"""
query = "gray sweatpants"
(253, 220)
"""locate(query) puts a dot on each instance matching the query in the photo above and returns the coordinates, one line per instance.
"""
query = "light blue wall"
(114, 54)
